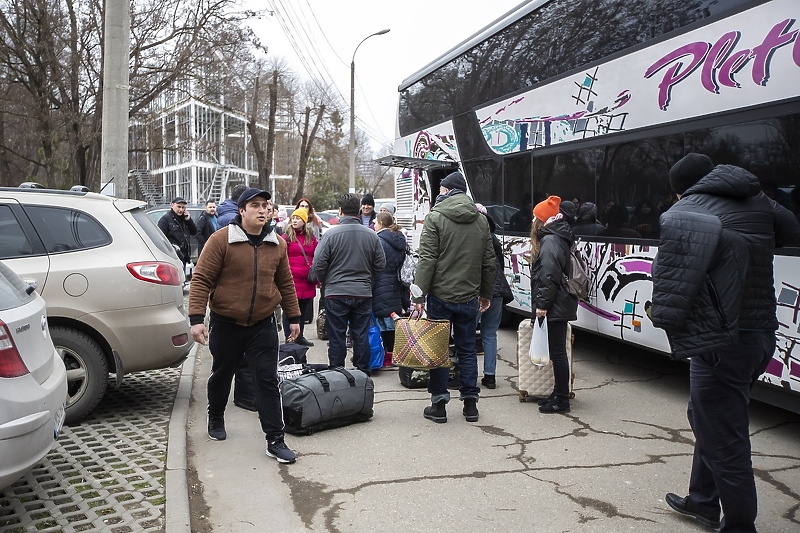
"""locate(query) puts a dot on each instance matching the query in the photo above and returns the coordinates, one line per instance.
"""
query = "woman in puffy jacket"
(389, 295)
(551, 242)
(300, 246)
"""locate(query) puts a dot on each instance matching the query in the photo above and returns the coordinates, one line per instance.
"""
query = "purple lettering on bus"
(674, 75)
(719, 64)
(716, 57)
(796, 52)
(731, 66)
(763, 52)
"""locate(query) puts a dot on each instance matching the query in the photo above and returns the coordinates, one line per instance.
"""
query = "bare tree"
(306, 143)
(51, 73)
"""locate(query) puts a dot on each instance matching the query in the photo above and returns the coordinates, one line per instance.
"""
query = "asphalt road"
(605, 466)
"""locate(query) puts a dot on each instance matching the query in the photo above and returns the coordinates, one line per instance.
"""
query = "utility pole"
(114, 140)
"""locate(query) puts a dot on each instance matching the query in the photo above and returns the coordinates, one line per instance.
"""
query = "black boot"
(555, 405)
(488, 381)
(436, 412)
(545, 401)
(471, 409)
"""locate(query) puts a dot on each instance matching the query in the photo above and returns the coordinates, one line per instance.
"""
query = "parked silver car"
(111, 280)
(33, 380)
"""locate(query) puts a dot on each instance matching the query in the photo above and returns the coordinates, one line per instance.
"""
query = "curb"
(177, 486)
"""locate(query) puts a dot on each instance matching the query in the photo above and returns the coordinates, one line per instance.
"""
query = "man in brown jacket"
(245, 273)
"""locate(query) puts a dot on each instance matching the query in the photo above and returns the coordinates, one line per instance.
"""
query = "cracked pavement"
(605, 466)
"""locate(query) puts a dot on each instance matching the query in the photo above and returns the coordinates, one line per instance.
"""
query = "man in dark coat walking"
(206, 225)
(713, 293)
(178, 226)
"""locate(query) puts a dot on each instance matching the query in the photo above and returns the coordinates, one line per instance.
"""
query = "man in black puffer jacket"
(713, 294)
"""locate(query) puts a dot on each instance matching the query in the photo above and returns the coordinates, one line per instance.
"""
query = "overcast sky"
(328, 31)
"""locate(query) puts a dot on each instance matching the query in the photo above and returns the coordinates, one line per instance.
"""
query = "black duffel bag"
(326, 399)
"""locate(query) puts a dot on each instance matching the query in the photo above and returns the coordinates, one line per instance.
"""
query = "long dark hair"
(312, 217)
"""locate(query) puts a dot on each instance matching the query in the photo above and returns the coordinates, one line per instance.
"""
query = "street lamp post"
(353, 111)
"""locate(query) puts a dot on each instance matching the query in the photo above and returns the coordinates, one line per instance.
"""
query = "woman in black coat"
(389, 295)
(551, 242)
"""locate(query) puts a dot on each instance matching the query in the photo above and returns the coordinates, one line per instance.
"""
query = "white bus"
(594, 101)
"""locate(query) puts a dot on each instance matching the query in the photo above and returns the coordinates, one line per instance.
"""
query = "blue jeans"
(464, 320)
(490, 321)
(719, 393)
(339, 311)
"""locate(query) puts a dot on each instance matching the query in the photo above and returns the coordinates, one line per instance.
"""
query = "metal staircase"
(153, 194)
(216, 191)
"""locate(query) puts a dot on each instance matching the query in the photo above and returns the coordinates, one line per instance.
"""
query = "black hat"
(568, 209)
(178, 200)
(237, 191)
(249, 194)
(688, 171)
(587, 211)
(455, 181)
(368, 200)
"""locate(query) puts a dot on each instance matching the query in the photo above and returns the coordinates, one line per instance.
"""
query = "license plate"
(59, 421)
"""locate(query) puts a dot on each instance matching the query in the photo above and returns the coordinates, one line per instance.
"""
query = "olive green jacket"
(456, 256)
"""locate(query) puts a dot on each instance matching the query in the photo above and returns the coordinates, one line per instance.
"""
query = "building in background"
(199, 148)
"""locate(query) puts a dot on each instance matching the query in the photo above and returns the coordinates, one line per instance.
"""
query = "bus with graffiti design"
(594, 101)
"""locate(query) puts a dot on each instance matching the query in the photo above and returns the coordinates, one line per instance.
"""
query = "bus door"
(416, 187)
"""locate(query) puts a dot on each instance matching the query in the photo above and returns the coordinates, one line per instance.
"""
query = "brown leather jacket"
(242, 282)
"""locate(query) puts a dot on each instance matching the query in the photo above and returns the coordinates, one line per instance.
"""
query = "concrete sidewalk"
(603, 467)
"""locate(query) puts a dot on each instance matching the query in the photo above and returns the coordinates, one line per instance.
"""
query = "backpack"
(409, 268)
(578, 280)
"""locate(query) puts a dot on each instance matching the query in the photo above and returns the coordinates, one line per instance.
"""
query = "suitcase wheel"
(523, 396)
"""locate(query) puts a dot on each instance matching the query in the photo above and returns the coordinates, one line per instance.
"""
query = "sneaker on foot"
(488, 381)
(216, 428)
(280, 451)
(555, 405)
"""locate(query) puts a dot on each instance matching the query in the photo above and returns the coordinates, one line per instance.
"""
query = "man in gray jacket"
(714, 295)
(456, 271)
(347, 258)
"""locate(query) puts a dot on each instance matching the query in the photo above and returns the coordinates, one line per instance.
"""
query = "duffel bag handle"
(350, 379)
(325, 385)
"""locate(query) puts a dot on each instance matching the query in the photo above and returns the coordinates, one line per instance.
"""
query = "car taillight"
(156, 272)
(11, 363)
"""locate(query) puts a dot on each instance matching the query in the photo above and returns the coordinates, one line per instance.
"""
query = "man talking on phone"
(178, 226)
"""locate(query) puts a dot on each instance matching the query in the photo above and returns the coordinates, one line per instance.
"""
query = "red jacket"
(297, 264)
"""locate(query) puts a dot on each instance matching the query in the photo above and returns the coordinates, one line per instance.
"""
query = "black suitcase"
(244, 395)
(326, 399)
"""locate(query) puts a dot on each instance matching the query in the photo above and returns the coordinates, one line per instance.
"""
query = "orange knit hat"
(547, 208)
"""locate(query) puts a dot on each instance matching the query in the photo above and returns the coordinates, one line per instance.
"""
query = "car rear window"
(13, 241)
(151, 230)
(12, 289)
(67, 230)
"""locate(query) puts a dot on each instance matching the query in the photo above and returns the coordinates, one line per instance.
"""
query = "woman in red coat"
(300, 246)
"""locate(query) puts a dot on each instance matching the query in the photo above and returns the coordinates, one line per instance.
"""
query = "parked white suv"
(33, 381)
(111, 281)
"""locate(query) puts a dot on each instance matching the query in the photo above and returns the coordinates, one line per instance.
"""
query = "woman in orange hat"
(551, 242)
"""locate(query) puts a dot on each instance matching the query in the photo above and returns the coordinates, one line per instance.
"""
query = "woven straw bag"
(421, 343)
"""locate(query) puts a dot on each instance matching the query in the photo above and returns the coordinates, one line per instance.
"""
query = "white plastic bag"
(540, 350)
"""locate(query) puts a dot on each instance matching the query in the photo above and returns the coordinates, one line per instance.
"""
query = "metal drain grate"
(105, 474)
